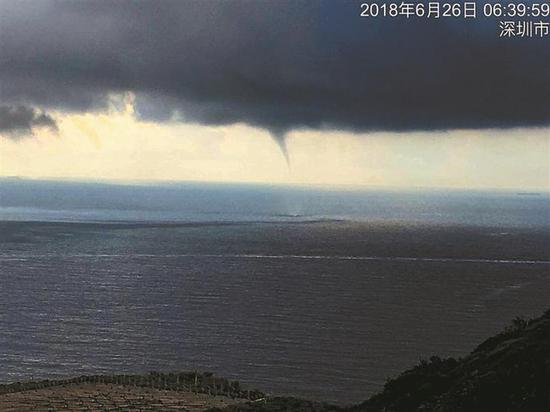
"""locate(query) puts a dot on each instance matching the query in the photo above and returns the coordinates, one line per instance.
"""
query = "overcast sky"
(212, 90)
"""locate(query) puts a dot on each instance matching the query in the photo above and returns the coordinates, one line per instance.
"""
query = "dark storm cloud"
(275, 64)
(18, 120)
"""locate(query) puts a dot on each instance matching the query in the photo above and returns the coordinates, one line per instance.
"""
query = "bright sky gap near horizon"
(212, 91)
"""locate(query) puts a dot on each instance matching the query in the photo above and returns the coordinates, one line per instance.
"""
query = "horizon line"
(324, 186)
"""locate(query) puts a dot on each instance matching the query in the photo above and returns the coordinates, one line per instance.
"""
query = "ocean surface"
(299, 291)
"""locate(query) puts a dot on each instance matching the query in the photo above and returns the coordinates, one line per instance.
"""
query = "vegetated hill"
(509, 372)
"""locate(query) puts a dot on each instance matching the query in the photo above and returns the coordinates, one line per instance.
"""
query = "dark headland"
(509, 372)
